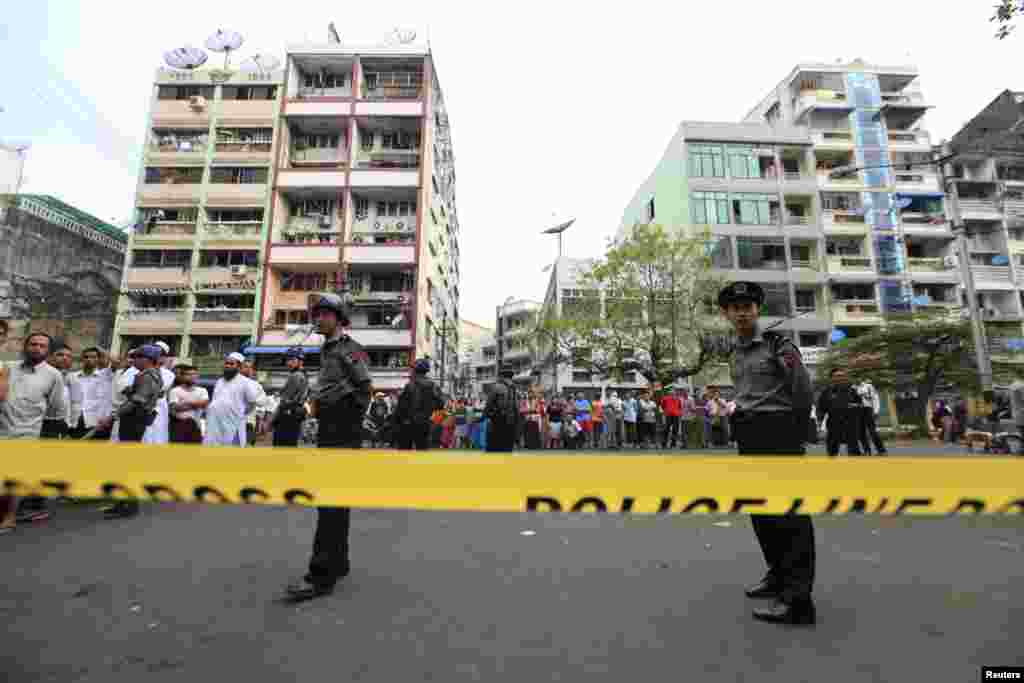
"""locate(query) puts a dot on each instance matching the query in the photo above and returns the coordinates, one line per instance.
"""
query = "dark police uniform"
(841, 404)
(291, 411)
(502, 413)
(342, 396)
(416, 404)
(773, 400)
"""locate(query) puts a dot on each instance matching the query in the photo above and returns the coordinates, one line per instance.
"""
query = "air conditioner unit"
(950, 261)
(197, 102)
(239, 271)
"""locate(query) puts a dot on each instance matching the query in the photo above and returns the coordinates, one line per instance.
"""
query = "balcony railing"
(395, 91)
(926, 265)
(798, 220)
(809, 264)
(167, 229)
(992, 273)
(907, 138)
(1014, 207)
(378, 237)
(856, 311)
(834, 136)
(997, 315)
(388, 158)
(223, 315)
(985, 206)
(838, 264)
(320, 155)
(164, 315)
(233, 230)
(310, 92)
(178, 146)
(917, 219)
(840, 217)
(824, 178)
(312, 227)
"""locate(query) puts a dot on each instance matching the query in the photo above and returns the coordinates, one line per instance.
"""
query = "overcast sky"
(557, 108)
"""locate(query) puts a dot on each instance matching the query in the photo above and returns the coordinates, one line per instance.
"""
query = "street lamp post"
(557, 230)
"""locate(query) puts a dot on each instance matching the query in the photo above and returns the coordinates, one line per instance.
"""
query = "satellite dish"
(185, 58)
(261, 63)
(226, 42)
(404, 36)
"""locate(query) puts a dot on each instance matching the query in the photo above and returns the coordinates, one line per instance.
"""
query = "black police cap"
(736, 292)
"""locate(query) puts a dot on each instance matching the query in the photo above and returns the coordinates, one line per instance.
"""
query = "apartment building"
(364, 198)
(564, 292)
(831, 253)
(515, 338)
(481, 365)
(194, 270)
(988, 175)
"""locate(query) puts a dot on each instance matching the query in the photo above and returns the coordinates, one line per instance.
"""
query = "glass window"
(706, 161)
(719, 249)
(743, 162)
(805, 300)
(754, 209)
(776, 299)
(710, 207)
(761, 253)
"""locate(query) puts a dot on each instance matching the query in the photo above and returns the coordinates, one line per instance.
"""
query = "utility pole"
(444, 345)
(967, 276)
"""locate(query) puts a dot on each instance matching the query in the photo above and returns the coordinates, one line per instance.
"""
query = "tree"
(648, 305)
(913, 355)
(1004, 14)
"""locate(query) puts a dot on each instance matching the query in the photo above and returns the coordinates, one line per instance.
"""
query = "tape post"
(532, 481)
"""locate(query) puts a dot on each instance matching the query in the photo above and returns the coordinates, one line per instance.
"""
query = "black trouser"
(869, 431)
(844, 428)
(787, 541)
(287, 432)
(339, 426)
(414, 436)
(673, 430)
(501, 439)
(53, 429)
(131, 429)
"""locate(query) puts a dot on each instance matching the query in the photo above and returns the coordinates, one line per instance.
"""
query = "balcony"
(856, 313)
(904, 140)
(306, 92)
(186, 151)
(170, 193)
(223, 315)
(833, 138)
(996, 315)
(850, 264)
(840, 222)
(232, 232)
(182, 112)
(239, 112)
(380, 254)
(311, 230)
(989, 277)
(156, 277)
(310, 178)
(150, 320)
(313, 256)
(924, 223)
(165, 232)
(980, 209)
(382, 337)
(236, 194)
(242, 151)
(373, 228)
(850, 183)
(1014, 209)
(914, 181)
(935, 264)
(809, 100)
(319, 156)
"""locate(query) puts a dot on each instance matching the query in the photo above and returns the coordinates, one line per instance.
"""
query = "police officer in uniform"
(773, 403)
(416, 404)
(502, 413)
(291, 410)
(340, 401)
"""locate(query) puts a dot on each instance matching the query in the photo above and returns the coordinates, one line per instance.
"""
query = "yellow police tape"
(529, 481)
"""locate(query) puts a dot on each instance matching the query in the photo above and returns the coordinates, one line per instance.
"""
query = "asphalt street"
(192, 593)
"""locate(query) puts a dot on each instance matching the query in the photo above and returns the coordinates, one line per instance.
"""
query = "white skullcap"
(163, 347)
(237, 357)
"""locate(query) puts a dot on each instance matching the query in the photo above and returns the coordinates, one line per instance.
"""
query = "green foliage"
(659, 315)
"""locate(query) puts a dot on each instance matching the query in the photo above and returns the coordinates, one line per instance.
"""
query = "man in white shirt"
(56, 422)
(870, 405)
(91, 391)
(234, 398)
(187, 403)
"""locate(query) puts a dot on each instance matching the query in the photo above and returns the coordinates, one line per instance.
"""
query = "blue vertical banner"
(895, 296)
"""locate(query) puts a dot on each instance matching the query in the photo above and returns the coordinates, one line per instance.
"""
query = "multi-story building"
(988, 172)
(471, 340)
(195, 261)
(515, 339)
(364, 198)
(565, 290)
(833, 253)
(482, 367)
(60, 269)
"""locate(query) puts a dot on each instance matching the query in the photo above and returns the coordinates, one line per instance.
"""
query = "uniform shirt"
(184, 394)
(295, 391)
(91, 397)
(33, 391)
(770, 376)
(147, 388)
(629, 407)
(343, 371)
(1017, 401)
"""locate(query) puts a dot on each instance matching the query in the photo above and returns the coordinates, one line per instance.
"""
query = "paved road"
(188, 593)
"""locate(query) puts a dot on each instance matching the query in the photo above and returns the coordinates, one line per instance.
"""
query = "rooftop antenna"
(186, 58)
(226, 42)
(332, 34)
(261, 63)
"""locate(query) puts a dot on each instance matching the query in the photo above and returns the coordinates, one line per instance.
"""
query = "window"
(755, 209)
(805, 300)
(853, 292)
(719, 249)
(245, 136)
(650, 210)
(706, 161)
(800, 252)
(238, 175)
(325, 79)
(743, 162)
(317, 141)
(210, 345)
(812, 338)
(184, 92)
(283, 318)
(235, 301)
(312, 207)
(160, 301)
(235, 215)
(362, 208)
(159, 258)
(776, 300)
(844, 247)
(218, 258)
(840, 201)
(710, 207)
(580, 376)
(178, 176)
(761, 253)
(309, 282)
(366, 139)
(170, 215)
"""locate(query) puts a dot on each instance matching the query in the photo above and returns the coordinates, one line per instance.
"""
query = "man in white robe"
(234, 397)
(160, 430)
